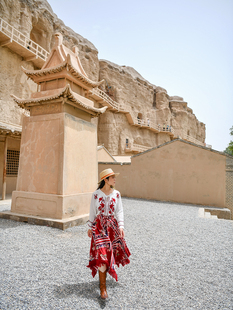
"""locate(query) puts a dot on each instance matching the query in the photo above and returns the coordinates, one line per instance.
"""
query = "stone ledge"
(36, 220)
(223, 213)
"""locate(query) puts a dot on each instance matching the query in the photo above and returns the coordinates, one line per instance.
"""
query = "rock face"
(149, 102)
(145, 101)
(13, 81)
(36, 20)
(127, 87)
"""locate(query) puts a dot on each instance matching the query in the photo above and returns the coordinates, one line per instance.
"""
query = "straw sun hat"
(107, 173)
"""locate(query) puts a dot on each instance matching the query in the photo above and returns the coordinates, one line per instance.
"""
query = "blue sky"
(184, 46)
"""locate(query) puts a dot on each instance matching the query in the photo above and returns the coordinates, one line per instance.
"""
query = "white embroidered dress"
(108, 247)
(107, 205)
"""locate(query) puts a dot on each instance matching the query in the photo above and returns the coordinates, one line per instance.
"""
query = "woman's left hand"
(122, 233)
(89, 233)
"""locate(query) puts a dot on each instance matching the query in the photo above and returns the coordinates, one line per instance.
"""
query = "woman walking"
(106, 222)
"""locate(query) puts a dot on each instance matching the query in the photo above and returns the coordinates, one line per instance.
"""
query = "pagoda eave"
(64, 96)
(11, 130)
(63, 70)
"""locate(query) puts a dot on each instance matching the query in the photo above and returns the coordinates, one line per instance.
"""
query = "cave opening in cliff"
(154, 99)
(39, 36)
(139, 117)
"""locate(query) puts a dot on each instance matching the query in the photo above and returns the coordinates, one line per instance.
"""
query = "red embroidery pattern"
(105, 232)
(101, 206)
(112, 204)
(95, 196)
(118, 196)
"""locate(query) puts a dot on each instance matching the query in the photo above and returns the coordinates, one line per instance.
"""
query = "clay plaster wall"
(39, 165)
(178, 171)
(42, 161)
(79, 154)
(103, 156)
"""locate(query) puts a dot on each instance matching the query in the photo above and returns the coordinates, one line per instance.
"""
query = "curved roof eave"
(67, 92)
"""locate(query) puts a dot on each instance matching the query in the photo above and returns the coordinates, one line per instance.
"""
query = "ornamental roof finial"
(75, 50)
(58, 39)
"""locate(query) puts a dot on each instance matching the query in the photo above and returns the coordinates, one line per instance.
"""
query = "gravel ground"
(178, 261)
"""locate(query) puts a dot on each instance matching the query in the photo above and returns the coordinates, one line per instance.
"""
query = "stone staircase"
(214, 213)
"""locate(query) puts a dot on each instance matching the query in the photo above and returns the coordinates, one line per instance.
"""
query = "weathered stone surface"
(151, 102)
(13, 81)
(135, 93)
(36, 20)
(184, 121)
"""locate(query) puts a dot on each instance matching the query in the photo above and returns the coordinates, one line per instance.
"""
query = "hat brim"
(116, 174)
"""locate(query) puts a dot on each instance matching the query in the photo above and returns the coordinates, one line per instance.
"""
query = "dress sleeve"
(119, 212)
(92, 214)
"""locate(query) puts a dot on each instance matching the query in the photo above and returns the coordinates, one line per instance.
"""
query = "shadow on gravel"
(6, 224)
(88, 290)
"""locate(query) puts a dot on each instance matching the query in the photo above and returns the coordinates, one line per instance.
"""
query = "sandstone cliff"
(36, 20)
(149, 103)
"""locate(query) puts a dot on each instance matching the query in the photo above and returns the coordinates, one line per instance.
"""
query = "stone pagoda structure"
(58, 157)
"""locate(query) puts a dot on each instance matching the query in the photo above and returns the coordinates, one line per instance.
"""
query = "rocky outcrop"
(149, 101)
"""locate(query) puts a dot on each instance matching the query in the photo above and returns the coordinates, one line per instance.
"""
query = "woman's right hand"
(89, 233)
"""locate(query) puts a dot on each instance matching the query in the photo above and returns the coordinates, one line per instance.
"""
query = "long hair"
(102, 183)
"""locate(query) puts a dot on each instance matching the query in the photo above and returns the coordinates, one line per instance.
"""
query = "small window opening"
(12, 164)
(139, 117)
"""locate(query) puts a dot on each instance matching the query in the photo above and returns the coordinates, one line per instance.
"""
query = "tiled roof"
(66, 92)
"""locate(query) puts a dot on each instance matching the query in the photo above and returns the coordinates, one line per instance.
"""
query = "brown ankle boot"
(103, 292)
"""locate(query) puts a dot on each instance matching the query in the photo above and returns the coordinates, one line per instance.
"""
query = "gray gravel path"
(179, 261)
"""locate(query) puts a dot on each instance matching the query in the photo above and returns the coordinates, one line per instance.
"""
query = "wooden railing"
(131, 115)
(152, 125)
(133, 119)
(136, 148)
(111, 103)
(191, 139)
(148, 123)
(18, 37)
